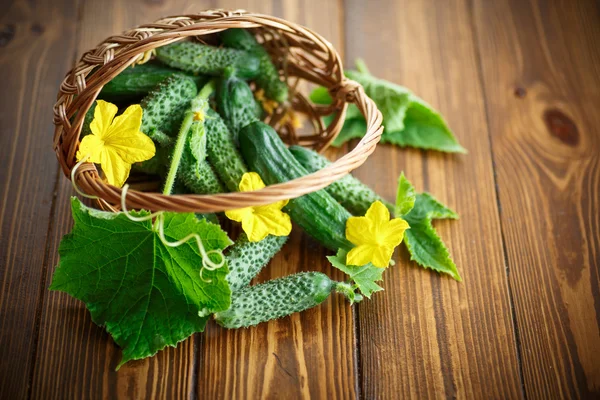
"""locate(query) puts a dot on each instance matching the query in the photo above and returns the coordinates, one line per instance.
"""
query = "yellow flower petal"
(360, 255)
(382, 256)
(378, 213)
(278, 205)
(393, 232)
(357, 228)
(260, 221)
(251, 181)
(115, 169)
(103, 117)
(276, 221)
(238, 214)
(132, 149)
(125, 138)
(91, 146)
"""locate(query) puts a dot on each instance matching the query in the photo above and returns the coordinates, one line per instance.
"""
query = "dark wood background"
(519, 83)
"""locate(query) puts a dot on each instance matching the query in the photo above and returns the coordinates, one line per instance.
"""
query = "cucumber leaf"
(407, 119)
(364, 277)
(405, 197)
(424, 128)
(424, 245)
(146, 294)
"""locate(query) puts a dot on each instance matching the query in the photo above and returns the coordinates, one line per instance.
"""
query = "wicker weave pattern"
(301, 53)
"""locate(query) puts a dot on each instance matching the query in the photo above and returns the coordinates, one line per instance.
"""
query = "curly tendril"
(207, 263)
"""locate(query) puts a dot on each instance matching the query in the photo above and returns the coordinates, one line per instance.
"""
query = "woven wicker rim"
(303, 53)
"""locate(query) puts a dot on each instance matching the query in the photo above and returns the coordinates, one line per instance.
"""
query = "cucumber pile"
(200, 110)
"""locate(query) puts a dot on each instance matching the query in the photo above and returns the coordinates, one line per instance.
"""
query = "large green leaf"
(407, 119)
(146, 294)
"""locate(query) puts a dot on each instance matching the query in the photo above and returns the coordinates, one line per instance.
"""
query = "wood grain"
(519, 83)
(33, 35)
(543, 112)
(428, 336)
(307, 355)
(75, 358)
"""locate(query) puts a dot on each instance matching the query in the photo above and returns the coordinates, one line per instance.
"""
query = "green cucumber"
(87, 120)
(165, 106)
(137, 81)
(268, 78)
(157, 165)
(317, 213)
(246, 259)
(195, 172)
(236, 103)
(222, 152)
(351, 193)
(252, 305)
(202, 59)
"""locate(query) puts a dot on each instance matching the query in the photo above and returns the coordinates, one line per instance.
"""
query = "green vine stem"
(198, 104)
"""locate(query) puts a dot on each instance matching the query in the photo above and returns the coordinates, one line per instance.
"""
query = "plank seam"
(42, 289)
(47, 244)
(513, 312)
(359, 384)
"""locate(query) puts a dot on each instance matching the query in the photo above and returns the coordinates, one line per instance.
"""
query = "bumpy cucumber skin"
(236, 104)
(137, 81)
(195, 172)
(202, 59)
(165, 106)
(222, 152)
(275, 299)
(268, 78)
(246, 259)
(317, 213)
(351, 193)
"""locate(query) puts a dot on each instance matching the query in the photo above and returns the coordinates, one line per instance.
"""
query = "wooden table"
(519, 83)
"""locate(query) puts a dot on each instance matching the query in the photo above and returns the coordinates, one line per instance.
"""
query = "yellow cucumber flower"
(116, 143)
(260, 221)
(267, 104)
(375, 236)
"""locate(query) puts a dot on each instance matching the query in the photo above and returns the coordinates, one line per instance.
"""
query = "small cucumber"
(275, 299)
(236, 103)
(195, 172)
(202, 59)
(165, 106)
(222, 152)
(351, 193)
(137, 81)
(268, 78)
(246, 259)
(317, 213)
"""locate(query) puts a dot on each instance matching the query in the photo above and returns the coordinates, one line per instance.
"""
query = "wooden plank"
(428, 336)
(32, 37)
(76, 358)
(307, 355)
(542, 81)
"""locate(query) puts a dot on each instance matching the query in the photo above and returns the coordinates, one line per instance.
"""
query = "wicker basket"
(299, 53)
